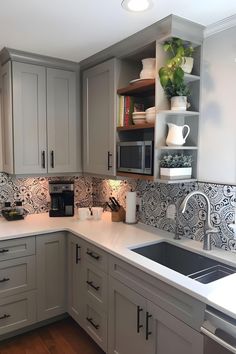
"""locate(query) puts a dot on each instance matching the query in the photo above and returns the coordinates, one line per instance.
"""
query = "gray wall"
(217, 154)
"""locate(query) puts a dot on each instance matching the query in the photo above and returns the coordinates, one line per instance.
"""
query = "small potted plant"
(181, 50)
(176, 166)
(172, 75)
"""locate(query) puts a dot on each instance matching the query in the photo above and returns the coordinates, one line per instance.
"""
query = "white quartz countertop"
(118, 238)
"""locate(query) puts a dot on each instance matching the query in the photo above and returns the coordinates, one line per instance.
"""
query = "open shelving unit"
(151, 93)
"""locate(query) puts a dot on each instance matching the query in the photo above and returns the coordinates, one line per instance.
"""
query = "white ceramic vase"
(187, 65)
(149, 69)
(176, 135)
(179, 103)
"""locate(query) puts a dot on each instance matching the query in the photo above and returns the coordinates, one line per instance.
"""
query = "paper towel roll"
(130, 216)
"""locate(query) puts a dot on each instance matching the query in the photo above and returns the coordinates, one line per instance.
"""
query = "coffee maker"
(62, 198)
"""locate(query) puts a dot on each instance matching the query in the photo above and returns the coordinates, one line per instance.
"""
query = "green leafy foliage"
(172, 75)
(176, 160)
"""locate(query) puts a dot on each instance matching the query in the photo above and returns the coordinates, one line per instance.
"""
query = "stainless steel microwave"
(135, 157)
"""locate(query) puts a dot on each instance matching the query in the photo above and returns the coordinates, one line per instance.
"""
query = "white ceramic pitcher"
(175, 135)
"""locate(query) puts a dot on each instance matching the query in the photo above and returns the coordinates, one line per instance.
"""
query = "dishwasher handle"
(217, 339)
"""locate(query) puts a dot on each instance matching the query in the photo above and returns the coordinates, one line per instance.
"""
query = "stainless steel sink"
(193, 265)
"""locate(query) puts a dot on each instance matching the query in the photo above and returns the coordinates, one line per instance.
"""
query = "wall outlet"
(171, 212)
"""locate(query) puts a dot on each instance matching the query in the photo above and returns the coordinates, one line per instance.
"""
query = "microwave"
(135, 157)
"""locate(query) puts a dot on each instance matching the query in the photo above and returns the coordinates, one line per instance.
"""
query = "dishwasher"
(219, 332)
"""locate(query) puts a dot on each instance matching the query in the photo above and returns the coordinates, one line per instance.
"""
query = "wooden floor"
(63, 337)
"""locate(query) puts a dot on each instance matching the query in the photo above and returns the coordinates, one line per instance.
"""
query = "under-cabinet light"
(137, 5)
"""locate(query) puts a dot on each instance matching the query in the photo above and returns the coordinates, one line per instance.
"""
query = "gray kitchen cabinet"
(138, 326)
(39, 122)
(61, 121)
(99, 116)
(126, 320)
(51, 281)
(75, 278)
(168, 335)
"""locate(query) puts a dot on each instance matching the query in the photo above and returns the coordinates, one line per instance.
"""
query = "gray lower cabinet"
(75, 278)
(51, 280)
(99, 112)
(87, 288)
(17, 284)
(138, 326)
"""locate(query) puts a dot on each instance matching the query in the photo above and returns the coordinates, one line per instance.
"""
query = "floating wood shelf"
(178, 147)
(134, 176)
(172, 181)
(178, 113)
(137, 127)
(138, 88)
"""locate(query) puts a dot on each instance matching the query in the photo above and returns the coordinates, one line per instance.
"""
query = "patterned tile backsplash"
(156, 200)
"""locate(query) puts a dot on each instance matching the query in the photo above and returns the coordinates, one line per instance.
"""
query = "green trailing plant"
(172, 75)
(176, 160)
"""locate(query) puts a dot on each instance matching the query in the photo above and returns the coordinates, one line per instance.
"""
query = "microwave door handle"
(143, 158)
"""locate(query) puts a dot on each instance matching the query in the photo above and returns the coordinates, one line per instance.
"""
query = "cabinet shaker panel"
(61, 120)
(29, 116)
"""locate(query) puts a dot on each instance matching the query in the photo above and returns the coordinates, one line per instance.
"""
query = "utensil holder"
(118, 215)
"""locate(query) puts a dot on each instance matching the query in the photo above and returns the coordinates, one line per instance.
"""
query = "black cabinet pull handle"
(4, 316)
(90, 320)
(94, 256)
(139, 309)
(77, 257)
(52, 159)
(4, 280)
(4, 251)
(109, 155)
(90, 283)
(43, 159)
(148, 333)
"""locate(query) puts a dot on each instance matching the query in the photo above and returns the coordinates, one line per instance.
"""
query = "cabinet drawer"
(96, 286)
(17, 311)
(96, 256)
(177, 303)
(96, 325)
(17, 248)
(17, 275)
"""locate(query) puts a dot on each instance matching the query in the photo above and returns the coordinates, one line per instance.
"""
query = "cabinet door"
(29, 117)
(99, 111)
(169, 335)
(61, 121)
(6, 119)
(126, 314)
(75, 278)
(51, 263)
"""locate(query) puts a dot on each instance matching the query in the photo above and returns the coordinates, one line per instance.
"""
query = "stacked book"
(126, 107)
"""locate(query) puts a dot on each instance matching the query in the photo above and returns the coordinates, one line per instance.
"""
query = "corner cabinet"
(99, 117)
(39, 119)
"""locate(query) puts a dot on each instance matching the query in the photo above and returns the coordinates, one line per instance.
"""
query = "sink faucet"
(208, 228)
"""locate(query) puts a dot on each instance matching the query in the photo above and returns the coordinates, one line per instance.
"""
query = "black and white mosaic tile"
(33, 192)
(155, 200)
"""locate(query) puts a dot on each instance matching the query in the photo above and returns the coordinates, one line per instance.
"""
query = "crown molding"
(220, 26)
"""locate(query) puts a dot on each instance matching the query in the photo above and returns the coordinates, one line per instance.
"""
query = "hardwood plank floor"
(63, 337)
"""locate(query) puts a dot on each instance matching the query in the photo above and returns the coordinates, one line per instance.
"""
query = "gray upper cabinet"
(39, 122)
(99, 115)
(61, 120)
(29, 118)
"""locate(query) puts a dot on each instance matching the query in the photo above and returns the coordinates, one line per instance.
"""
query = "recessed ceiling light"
(137, 5)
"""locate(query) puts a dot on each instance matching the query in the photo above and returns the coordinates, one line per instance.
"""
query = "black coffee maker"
(62, 198)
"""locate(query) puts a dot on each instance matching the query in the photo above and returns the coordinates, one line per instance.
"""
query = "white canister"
(179, 103)
(130, 216)
(97, 212)
(84, 213)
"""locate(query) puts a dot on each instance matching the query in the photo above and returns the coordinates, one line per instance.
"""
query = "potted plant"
(182, 50)
(172, 74)
(176, 166)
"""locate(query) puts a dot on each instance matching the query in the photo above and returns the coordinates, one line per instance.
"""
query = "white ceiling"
(76, 29)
